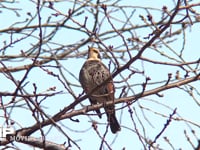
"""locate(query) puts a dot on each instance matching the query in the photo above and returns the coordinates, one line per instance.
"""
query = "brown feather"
(93, 74)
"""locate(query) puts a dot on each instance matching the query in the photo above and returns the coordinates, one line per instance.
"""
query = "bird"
(94, 74)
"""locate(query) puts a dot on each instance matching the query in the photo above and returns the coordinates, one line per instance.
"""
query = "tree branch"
(29, 130)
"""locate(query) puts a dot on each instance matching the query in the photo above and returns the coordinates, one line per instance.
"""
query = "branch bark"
(28, 131)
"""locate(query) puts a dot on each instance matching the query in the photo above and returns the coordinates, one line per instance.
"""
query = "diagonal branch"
(150, 42)
(39, 142)
(29, 130)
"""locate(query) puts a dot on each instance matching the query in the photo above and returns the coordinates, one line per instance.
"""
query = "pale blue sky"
(173, 98)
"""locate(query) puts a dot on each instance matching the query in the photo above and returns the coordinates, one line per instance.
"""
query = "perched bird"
(94, 73)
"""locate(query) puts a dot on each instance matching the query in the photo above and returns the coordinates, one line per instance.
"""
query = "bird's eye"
(95, 51)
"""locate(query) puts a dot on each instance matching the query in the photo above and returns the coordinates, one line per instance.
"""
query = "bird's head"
(93, 54)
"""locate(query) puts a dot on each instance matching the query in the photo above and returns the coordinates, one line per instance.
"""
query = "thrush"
(94, 74)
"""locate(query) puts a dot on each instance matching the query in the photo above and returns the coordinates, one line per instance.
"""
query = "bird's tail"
(114, 124)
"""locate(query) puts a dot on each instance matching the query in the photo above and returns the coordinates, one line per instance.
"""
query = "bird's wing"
(93, 74)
